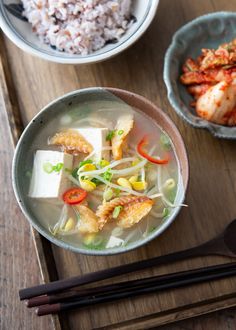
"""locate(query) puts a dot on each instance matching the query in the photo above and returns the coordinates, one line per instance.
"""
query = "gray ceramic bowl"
(60, 106)
(207, 31)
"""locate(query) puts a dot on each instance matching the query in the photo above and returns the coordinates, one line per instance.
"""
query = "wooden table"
(212, 190)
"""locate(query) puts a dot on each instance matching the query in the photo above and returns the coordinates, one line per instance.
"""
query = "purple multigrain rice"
(78, 26)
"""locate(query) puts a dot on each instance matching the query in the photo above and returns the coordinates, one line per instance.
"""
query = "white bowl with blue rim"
(19, 31)
(208, 31)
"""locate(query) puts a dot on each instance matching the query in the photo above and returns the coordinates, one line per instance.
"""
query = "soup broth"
(136, 185)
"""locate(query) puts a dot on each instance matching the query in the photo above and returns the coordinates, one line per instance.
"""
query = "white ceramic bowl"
(20, 32)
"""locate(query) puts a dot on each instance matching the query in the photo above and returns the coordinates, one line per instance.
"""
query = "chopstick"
(155, 284)
(123, 286)
(61, 285)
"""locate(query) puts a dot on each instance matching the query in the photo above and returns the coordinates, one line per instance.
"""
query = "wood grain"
(211, 194)
(17, 253)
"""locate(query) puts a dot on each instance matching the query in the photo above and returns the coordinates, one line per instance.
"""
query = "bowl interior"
(208, 31)
(20, 32)
(59, 107)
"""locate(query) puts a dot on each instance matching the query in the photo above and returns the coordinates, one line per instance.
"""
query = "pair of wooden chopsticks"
(61, 300)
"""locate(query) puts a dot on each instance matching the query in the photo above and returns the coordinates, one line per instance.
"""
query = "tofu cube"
(49, 185)
(97, 138)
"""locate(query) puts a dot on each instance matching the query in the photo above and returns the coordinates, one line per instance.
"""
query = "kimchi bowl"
(205, 32)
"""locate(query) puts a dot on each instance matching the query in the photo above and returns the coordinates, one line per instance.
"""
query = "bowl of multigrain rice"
(76, 31)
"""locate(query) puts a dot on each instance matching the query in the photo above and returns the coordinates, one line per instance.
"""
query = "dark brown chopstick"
(72, 282)
(158, 283)
(123, 286)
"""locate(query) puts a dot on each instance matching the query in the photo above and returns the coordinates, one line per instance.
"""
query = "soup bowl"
(20, 32)
(27, 145)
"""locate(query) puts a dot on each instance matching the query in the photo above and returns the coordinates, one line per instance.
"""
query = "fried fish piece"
(132, 213)
(124, 125)
(129, 204)
(71, 142)
(88, 222)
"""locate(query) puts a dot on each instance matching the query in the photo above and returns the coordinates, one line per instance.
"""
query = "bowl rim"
(83, 60)
(215, 129)
(116, 250)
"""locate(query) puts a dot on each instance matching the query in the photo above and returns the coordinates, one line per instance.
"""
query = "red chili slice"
(74, 196)
(143, 153)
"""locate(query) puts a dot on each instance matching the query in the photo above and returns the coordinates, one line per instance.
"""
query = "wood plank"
(14, 123)
(18, 265)
(212, 190)
(172, 316)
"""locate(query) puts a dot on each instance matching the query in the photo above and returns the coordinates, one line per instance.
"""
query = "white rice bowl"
(78, 26)
(37, 41)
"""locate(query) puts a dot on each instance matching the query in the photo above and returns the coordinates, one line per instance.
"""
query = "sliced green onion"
(107, 175)
(90, 204)
(120, 132)
(117, 192)
(98, 240)
(74, 172)
(48, 168)
(96, 181)
(102, 246)
(84, 162)
(139, 178)
(117, 211)
(165, 213)
(108, 194)
(58, 167)
(103, 163)
(95, 243)
(110, 135)
(165, 142)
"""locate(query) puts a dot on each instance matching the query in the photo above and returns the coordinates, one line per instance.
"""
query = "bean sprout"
(164, 199)
(127, 239)
(104, 169)
(130, 170)
(142, 174)
(94, 151)
(62, 220)
(152, 191)
(156, 196)
(117, 231)
(72, 179)
(156, 214)
(94, 121)
(90, 155)
(116, 186)
(67, 233)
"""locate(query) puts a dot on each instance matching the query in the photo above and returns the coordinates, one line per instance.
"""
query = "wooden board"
(212, 189)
